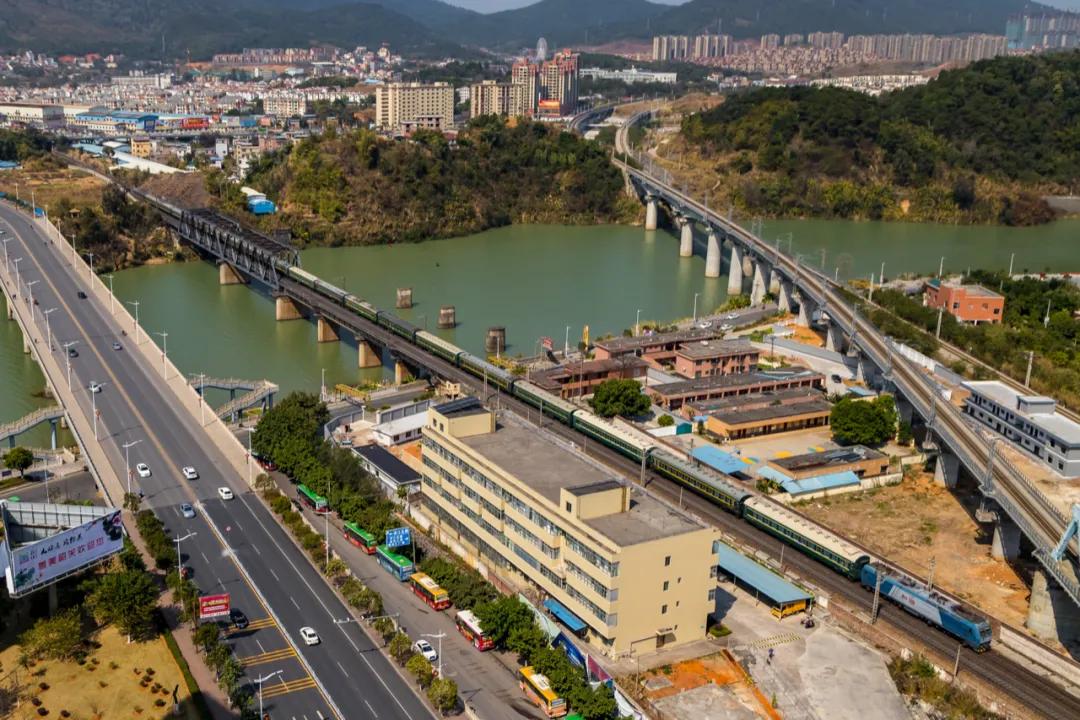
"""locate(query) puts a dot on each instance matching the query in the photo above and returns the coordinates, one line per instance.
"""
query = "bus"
(313, 500)
(360, 537)
(469, 627)
(425, 588)
(399, 566)
(539, 690)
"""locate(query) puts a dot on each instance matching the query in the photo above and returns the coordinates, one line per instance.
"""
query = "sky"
(486, 6)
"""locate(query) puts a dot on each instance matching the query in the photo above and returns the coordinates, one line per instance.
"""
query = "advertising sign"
(398, 537)
(212, 606)
(37, 564)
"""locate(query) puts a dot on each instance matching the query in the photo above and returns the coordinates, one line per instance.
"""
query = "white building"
(284, 106)
(632, 75)
(42, 117)
(1030, 421)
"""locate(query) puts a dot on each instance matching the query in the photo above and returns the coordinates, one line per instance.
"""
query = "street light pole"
(637, 323)
(7, 262)
(112, 298)
(16, 261)
(135, 329)
(90, 271)
(127, 461)
(48, 328)
(179, 564)
(67, 355)
(93, 409)
(259, 681)
(164, 351)
(30, 295)
(695, 306)
(437, 636)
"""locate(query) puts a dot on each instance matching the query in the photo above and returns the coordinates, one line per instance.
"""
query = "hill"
(203, 27)
(750, 18)
(562, 22)
(975, 145)
(357, 188)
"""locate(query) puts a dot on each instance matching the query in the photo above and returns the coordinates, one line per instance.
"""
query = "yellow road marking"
(279, 654)
(304, 683)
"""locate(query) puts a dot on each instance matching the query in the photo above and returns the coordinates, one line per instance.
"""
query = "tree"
(619, 397)
(419, 667)
(130, 558)
(55, 638)
(860, 422)
(19, 458)
(399, 647)
(665, 421)
(207, 636)
(132, 501)
(443, 694)
(127, 600)
(500, 617)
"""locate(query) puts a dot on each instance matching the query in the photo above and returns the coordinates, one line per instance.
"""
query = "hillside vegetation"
(357, 188)
(977, 144)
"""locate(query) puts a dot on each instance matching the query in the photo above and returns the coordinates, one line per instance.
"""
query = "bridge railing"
(28, 421)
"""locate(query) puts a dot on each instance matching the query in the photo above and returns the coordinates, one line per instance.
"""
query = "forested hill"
(357, 188)
(974, 145)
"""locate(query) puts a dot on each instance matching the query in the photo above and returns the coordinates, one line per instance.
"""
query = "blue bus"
(399, 566)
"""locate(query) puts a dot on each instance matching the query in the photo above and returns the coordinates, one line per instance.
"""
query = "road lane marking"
(294, 602)
(256, 549)
(261, 648)
(274, 574)
(205, 559)
(343, 672)
(371, 709)
(291, 686)
(265, 657)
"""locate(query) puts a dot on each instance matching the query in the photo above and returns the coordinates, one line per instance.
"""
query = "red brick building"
(707, 358)
(578, 379)
(967, 303)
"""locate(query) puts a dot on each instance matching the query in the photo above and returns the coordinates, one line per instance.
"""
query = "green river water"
(534, 280)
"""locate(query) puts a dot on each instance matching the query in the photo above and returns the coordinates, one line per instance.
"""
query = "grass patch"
(917, 678)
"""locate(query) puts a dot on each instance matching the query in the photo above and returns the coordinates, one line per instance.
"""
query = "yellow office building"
(629, 572)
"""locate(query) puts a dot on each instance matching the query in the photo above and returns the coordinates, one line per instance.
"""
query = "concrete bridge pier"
(650, 213)
(285, 308)
(228, 275)
(834, 337)
(1006, 543)
(686, 238)
(806, 311)
(26, 343)
(326, 331)
(52, 434)
(784, 295)
(735, 274)
(1051, 613)
(400, 372)
(774, 281)
(947, 469)
(758, 287)
(10, 310)
(712, 256)
(368, 356)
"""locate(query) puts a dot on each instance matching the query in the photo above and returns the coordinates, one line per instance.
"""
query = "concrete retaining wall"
(1031, 649)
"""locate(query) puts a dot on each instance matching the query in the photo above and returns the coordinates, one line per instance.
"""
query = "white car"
(95, 387)
(424, 648)
(704, 324)
(189, 473)
(732, 316)
(727, 327)
(309, 636)
(143, 469)
(225, 493)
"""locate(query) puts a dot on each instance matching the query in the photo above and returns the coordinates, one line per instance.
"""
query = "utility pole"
(1011, 258)
(1027, 376)
(879, 571)
(870, 295)
(941, 267)
(930, 577)
(1046, 320)
(937, 332)
(956, 663)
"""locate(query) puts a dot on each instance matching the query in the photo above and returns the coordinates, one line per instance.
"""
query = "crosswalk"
(279, 654)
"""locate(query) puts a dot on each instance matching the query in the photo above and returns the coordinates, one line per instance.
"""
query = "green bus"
(399, 566)
(313, 500)
(360, 537)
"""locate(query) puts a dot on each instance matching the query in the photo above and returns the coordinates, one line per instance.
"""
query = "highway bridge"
(848, 330)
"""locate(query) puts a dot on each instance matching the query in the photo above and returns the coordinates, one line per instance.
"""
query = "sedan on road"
(189, 473)
(143, 469)
(424, 648)
(225, 493)
(238, 618)
(73, 353)
(117, 346)
(186, 510)
(309, 635)
(82, 295)
(95, 387)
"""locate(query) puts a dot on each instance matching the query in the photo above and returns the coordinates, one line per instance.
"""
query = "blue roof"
(719, 460)
(821, 482)
(567, 618)
(758, 576)
(861, 391)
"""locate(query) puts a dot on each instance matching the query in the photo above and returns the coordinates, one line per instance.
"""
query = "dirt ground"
(917, 522)
(185, 189)
(663, 685)
(48, 185)
(105, 686)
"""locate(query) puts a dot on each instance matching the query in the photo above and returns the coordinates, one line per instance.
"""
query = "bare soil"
(46, 185)
(918, 522)
(184, 189)
(720, 670)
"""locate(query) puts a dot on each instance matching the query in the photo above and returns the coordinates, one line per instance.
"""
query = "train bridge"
(816, 297)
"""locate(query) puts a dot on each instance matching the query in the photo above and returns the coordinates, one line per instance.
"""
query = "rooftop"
(772, 412)
(836, 456)
(715, 348)
(1056, 424)
(974, 290)
(625, 344)
(793, 396)
(734, 381)
(758, 576)
(383, 459)
(546, 468)
(461, 408)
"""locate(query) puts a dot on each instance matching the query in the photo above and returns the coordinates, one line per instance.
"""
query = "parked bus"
(360, 537)
(469, 627)
(399, 566)
(313, 500)
(425, 588)
(539, 690)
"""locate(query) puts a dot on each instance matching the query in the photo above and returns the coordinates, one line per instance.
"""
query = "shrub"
(419, 667)
(665, 421)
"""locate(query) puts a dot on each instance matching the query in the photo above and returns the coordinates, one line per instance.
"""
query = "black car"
(238, 618)
(82, 295)
(72, 352)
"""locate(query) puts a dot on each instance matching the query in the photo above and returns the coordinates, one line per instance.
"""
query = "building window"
(667, 560)
(569, 507)
(663, 609)
(666, 585)
(712, 595)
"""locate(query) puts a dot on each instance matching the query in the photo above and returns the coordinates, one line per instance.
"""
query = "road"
(77, 486)
(242, 551)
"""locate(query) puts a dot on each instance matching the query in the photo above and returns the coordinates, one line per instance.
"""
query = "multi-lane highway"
(237, 546)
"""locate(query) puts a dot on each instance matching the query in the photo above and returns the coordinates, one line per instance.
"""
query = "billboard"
(36, 564)
(398, 537)
(212, 606)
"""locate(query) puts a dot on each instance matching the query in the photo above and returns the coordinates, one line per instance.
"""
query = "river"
(534, 280)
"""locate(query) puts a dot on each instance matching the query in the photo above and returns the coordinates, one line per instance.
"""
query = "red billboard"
(212, 606)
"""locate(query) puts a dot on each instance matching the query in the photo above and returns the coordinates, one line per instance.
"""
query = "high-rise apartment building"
(404, 107)
(490, 97)
(626, 570)
(524, 76)
(559, 82)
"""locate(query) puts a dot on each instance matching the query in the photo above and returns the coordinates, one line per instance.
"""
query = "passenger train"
(774, 518)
